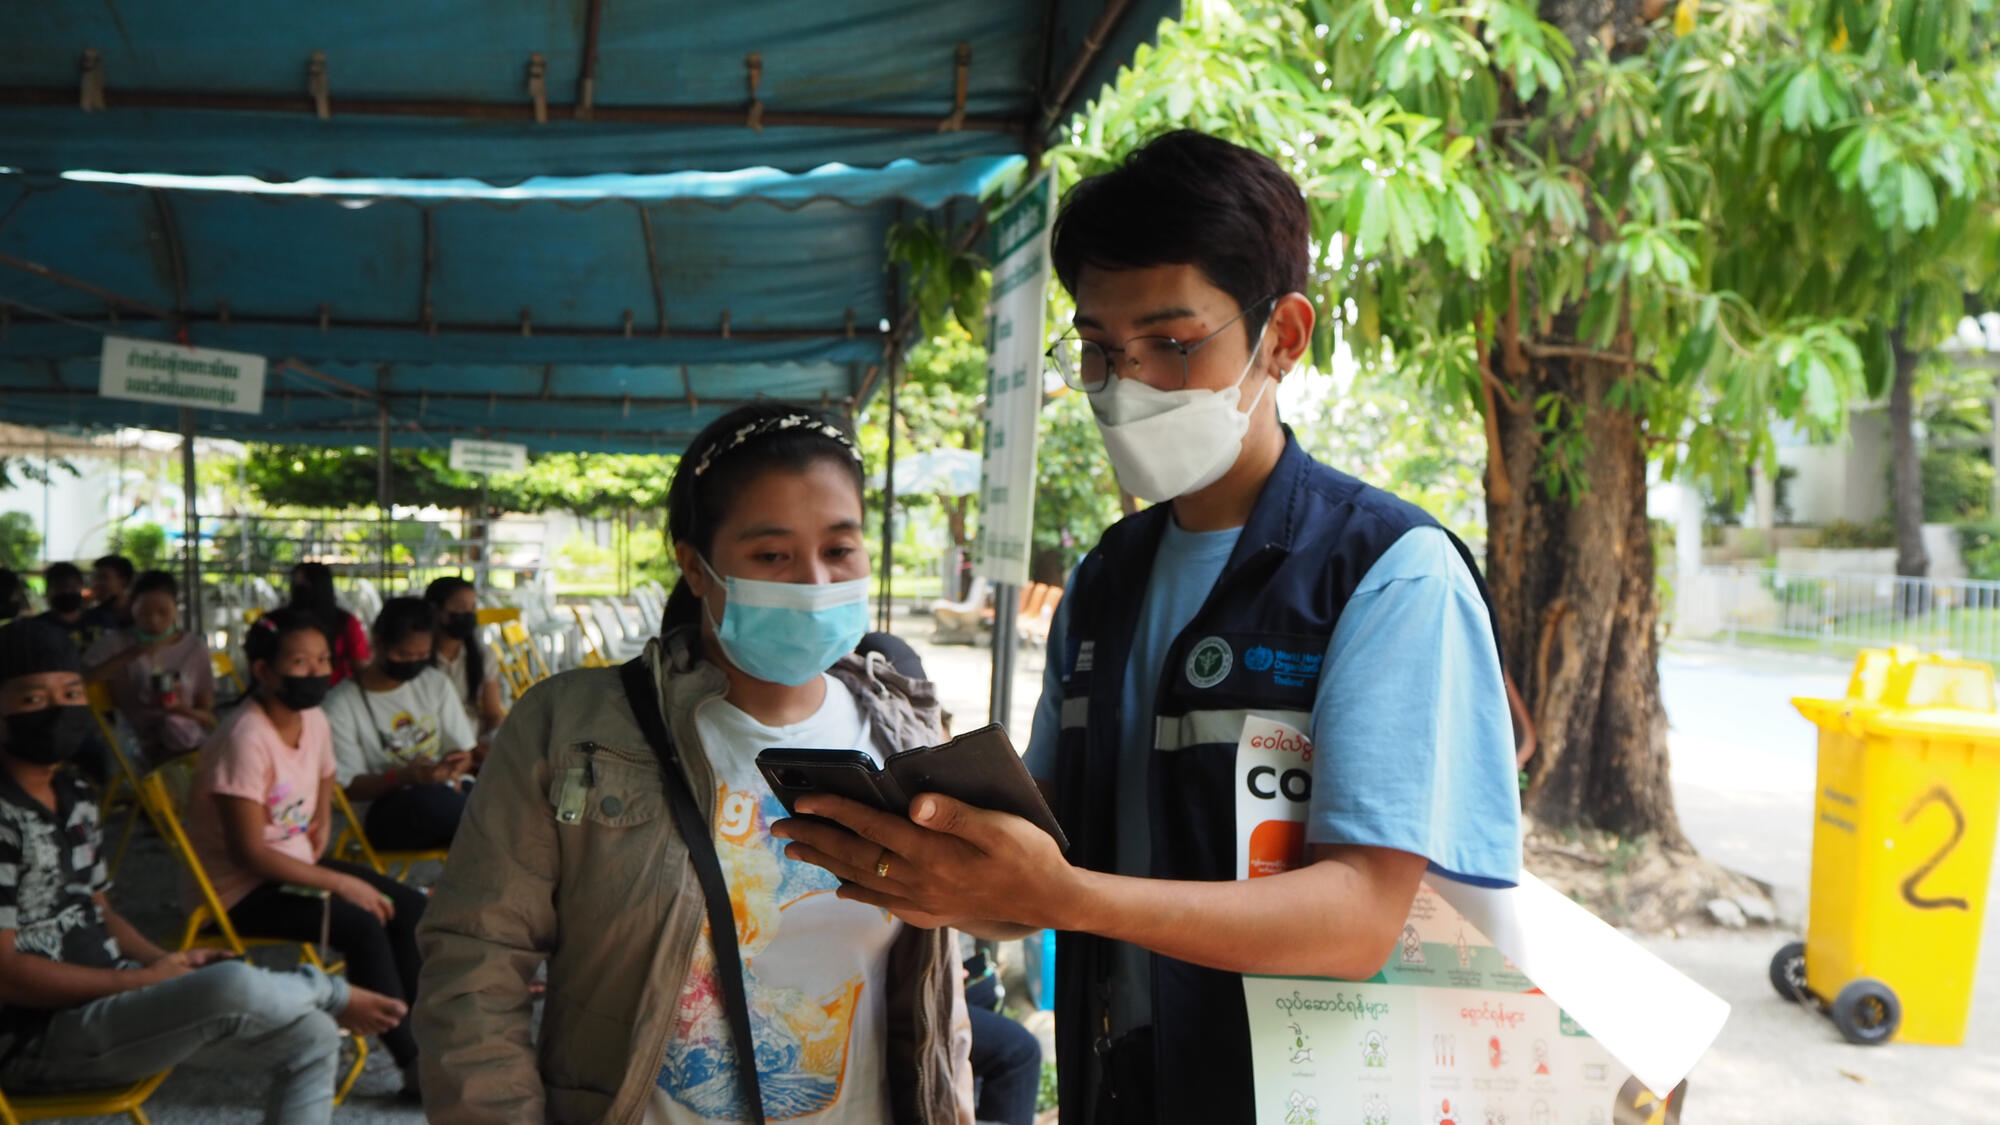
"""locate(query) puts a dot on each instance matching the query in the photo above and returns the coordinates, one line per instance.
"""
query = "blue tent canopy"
(609, 322)
(692, 207)
(447, 87)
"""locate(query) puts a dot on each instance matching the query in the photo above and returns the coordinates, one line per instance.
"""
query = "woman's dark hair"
(436, 594)
(267, 634)
(728, 454)
(401, 619)
(1187, 198)
(312, 591)
(154, 581)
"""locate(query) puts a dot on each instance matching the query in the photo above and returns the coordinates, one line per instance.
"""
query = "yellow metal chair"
(513, 654)
(125, 1100)
(224, 667)
(352, 844)
(208, 925)
(595, 646)
(522, 645)
(123, 786)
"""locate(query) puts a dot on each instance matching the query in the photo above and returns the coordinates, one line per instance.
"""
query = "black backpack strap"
(644, 696)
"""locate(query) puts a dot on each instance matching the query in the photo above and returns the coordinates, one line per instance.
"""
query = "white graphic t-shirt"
(814, 965)
(375, 731)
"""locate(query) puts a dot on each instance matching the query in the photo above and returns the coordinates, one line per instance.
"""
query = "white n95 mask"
(1165, 444)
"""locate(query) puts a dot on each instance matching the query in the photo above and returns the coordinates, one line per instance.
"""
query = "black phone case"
(979, 768)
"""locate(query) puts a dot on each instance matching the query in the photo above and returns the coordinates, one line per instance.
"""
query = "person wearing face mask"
(161, 679)
(1273, 699)
(312, 591)
(471, 667)
(89, 1001)
(401, 739)
(622, 813)
(63, 584)
(259, 817)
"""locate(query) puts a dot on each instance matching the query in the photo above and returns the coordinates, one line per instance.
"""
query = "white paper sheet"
(1654, 1020)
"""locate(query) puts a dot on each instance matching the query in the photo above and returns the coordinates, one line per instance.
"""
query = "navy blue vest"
(1255, 645)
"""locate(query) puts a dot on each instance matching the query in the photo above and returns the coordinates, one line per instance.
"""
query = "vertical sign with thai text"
(1014, 383)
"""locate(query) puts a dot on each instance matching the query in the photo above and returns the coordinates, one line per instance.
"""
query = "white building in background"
(77, 513)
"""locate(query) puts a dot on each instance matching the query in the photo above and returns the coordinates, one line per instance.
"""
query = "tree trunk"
(1571, 568)
(1573, 583)
(1906, 468)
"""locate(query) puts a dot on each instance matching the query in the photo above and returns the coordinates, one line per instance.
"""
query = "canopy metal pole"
(1005, 599)
(889, 501)
(382, 489)
(48, 474)
(191, 539)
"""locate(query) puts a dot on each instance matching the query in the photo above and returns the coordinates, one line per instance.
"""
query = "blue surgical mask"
(788, 632)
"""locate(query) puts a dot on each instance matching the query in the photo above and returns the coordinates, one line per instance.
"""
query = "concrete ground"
(1743, 780)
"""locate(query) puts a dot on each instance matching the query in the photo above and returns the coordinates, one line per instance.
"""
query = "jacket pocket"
(605, 787)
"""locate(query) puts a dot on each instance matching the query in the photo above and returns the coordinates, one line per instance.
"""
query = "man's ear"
(1289, 334)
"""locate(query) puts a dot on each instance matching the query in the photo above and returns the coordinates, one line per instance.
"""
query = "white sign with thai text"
(469, 456)
(178, 375)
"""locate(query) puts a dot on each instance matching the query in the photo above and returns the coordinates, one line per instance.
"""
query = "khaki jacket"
(610, 902)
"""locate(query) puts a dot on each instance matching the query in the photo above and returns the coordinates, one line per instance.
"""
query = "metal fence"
(1836, 612)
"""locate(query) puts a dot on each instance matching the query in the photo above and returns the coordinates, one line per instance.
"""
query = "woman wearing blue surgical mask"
(572, 854)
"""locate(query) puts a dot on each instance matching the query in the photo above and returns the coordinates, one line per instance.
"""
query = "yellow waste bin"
(1904, 811)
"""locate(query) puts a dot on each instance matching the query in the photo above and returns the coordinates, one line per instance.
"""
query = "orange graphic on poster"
(1276, 846)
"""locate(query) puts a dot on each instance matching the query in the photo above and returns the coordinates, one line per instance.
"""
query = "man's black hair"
(61, 572)
(1187, 198)
(118, 565)
(153, 581)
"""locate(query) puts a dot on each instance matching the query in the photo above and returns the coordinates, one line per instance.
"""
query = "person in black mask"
(89, 1001)
(401, 739)
(63, 583)
(464, 659)
(312, 591)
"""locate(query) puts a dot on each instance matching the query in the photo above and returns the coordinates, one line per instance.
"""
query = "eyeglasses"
(1159, 361)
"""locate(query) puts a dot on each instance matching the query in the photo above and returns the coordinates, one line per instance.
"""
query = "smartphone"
(980, 768)
(794, 773)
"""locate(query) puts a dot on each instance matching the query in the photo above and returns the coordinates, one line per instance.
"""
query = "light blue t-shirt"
(1413, 743)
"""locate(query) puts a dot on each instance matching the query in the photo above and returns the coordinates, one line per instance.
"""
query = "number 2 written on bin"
(1938, 795)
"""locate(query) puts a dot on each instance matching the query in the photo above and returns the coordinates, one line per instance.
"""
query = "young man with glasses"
(1273, 699)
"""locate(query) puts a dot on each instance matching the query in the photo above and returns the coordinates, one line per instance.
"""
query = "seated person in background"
(160, 677)
(312, 591)
(63, 583)
(111, 580)
(401, 740)
(259, 816)
(89, 1002)
(473, 670)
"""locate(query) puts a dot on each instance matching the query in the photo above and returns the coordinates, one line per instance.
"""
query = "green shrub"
(1958, 485)
(20, 543)
(145, 544)
(1840, 535)
(1979, 546)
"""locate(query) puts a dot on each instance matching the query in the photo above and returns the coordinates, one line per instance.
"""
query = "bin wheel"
(1788, 973)
(1867, 1012)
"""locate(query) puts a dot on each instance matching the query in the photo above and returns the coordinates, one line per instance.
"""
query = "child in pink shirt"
(260, 814)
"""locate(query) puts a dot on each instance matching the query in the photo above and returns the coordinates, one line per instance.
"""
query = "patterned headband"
(769, 426)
